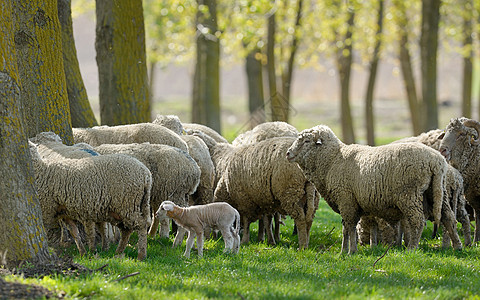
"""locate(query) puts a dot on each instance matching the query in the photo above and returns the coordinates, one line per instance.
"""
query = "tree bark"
(428, 53)
(206, 87)
(122, 64)
(40, 66)
(369, 115)
(344, 63)
(22, 237)
(256, 105)
(288, 75)
(80, 109)
(467, 61)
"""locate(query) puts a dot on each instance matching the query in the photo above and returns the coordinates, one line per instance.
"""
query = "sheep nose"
(445, 153)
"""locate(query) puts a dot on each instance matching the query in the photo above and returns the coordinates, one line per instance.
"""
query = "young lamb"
(195, 219)
(460, 145)
(385, 181)
(106, 188)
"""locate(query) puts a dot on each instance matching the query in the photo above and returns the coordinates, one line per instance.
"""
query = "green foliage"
(261, 271)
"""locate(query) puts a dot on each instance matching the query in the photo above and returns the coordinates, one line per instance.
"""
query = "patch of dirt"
(16, 290)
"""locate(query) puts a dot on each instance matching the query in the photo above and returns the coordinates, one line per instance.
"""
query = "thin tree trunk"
(256, 105)
(40, 66)
(467, 62)
(80, 109)
(151, 82)
(22, 237)
(206, 89)
(428, 52)
(288, 75)
(369, 116)
(344, 60)
(121, 60)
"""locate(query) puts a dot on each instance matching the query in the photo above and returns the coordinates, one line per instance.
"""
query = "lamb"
(175, 175)
(195, 219)
(257, 180)
(265, 131)
(460, 146)
(385, 181)
(127, 134)
(106, 188)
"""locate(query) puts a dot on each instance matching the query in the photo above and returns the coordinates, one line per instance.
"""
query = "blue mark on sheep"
(92, 152)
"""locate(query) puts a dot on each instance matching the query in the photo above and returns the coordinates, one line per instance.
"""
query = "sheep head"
(46, 137)
(172, 122)
(459, 138)
(310, 139)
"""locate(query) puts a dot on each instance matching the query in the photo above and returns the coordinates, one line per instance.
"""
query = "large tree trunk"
(344, 62)
(22, 237)
(122, 64)
(80, 109)
(287, 77)
(256, 105)
(467, 61)
(428, 53)
(206, 87)
(40, 66)
(369, 116)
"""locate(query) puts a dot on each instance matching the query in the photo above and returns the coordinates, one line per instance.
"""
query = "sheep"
(385, 181)
(265, 131)
(460, 146)
(106, 188)
(257, 180)
(127, 134)
(175, 175)
(50, 145)
(429, 138)
(195, 219)
(259, 133)
(206, 130)
(372, 230)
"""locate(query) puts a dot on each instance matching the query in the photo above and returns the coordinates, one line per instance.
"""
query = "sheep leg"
(235, 239)
(179, 236)
(462, 216)
(90, 231)
(449, 223)
(124, 237)
(374, 234)
(165, 228)
(154, 227)
(199, 234)
(228, 239)
(345, 237)
(190, 240)
(415, 219)
(73, 229)
(276, 234)
(102, 229)
(267, 220)
(261, 228)
(142, 243)
(246, 230)
(476, 236)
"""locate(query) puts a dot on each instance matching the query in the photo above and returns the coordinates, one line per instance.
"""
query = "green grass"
(260, 271)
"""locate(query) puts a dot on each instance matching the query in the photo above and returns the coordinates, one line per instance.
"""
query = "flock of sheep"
(120, 179)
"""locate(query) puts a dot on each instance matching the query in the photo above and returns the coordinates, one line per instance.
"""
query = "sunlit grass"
(261, 271)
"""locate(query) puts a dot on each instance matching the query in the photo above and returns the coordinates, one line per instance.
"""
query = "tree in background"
(40, 66)
(122, 64)
(80, 109)
(428, 54)
(22, 237)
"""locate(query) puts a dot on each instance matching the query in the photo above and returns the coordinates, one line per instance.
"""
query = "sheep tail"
(438, 194)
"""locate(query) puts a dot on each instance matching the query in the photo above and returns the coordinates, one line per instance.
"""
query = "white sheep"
(127, 134)
(175, 175)
(105, 188)
(195, 219)
(385, 181)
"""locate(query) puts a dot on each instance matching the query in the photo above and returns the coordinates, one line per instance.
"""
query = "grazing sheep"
(50, 145)
(106, 188)
(206, 130)
(460, 146)
(257, 180)
(199, 152)
(175, 175)
(127, 134)
(385, 181)
(265, 131)
(195, 219)
(261, 132)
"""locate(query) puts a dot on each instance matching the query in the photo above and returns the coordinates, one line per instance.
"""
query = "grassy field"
(261, 271)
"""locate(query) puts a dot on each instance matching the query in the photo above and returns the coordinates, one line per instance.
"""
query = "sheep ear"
(318, 142)
(440, 137)
(167, 207)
